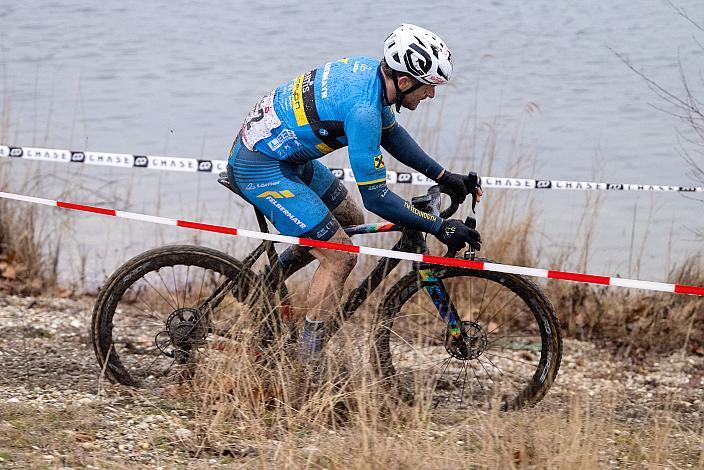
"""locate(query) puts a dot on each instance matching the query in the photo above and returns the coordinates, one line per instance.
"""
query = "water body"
(176, 79)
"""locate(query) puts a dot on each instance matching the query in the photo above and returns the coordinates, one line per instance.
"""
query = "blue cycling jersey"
(342, 103)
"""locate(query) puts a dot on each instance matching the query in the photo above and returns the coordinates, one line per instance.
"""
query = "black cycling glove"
(454, 185)
(455, 234)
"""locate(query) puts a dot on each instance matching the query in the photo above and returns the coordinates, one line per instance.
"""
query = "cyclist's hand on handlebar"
(459, 186)
(455, 234)
(454, 185)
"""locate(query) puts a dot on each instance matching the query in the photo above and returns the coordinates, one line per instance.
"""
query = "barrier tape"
(472, 264)
(192, 165)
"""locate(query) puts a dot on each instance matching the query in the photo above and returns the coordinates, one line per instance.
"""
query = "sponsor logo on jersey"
(359, 67)
(285, 193)
(419, 212)
(286, 212)
(324, 231)
(324, 81)
(284, 136)
(268, 184)
(379, 162)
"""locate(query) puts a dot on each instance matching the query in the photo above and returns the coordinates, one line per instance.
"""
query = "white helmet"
(420, 53)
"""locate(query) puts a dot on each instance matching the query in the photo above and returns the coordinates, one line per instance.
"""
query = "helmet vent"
(396, 58)
(435, 51)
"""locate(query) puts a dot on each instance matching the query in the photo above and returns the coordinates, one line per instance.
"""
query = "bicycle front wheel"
(161, 312)
(509, 357)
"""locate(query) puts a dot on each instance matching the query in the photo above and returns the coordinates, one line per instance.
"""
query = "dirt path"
(55, 412)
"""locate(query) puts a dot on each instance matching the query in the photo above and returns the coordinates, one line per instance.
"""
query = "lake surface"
(176, 79)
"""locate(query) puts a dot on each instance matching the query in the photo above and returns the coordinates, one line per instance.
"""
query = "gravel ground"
(55, 411)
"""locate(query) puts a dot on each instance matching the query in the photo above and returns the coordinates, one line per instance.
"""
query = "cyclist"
(273, 163)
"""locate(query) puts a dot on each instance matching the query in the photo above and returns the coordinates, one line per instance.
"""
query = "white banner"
(193, 165)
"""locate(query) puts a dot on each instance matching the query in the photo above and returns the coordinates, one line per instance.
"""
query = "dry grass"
(354, 424)
(631, 322)
(29, 252)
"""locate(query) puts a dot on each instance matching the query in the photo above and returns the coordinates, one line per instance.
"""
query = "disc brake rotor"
(470, 344)
(186, 328)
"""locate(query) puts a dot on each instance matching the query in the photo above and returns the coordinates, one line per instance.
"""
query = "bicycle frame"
(410, 241)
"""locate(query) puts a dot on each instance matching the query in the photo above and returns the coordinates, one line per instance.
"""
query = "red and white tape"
(193, 165)
(480, 265)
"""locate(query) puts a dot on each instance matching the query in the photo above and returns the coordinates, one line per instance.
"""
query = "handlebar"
(431, 203)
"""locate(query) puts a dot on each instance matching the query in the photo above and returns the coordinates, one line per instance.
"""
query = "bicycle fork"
(464, 339)
(441, 299)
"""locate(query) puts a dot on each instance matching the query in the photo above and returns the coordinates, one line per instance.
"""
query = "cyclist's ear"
(405, 82)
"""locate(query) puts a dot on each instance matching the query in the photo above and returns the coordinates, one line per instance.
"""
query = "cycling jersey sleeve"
(363, 130)
(399, 143)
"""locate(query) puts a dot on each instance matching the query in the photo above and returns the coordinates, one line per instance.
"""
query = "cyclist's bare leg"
(325, 293)
(296, 257)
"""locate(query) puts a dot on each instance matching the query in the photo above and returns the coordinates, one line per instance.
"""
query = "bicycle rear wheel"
(509, 359)
(159, 314)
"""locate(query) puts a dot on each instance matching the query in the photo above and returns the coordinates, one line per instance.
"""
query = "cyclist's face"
(413, 99)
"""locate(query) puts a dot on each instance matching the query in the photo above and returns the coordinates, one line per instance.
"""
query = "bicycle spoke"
(487, 373)
(489, 303)
(200, 289)
(496, 339)
(159, 293)
(471, 297)
(481, 303)
(420, 366)
(509, 358)
(149, 310)
(503, 323)
(173, 274)
(137, 326)
(477, 378)
(185, 285)
(502, 374)
(158, 273)
(511, 299)
(464, 383)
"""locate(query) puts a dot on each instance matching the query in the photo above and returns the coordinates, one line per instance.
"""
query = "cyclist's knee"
(338, 262)
(348, 212)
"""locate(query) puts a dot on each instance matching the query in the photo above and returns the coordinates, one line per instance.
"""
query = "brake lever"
(475, 182)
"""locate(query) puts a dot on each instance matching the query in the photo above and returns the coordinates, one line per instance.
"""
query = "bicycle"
(499, 339)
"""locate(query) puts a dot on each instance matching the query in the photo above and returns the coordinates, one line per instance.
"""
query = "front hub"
(470, 344)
